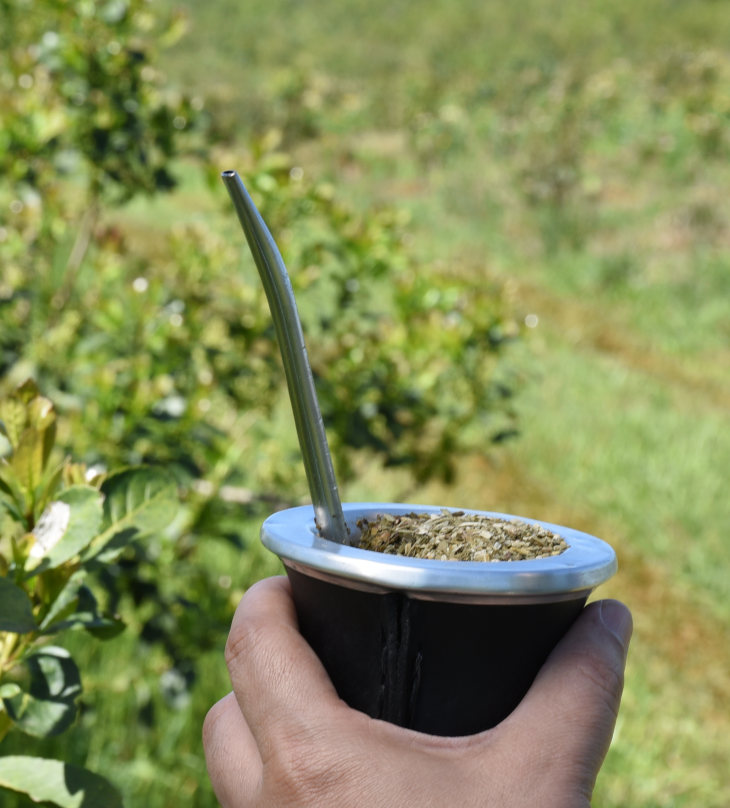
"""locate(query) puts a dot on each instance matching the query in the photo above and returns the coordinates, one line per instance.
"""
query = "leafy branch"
(58, 522)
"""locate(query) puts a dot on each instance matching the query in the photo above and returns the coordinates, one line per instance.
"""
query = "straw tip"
(228, 173)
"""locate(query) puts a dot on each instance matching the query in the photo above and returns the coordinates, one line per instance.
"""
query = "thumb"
(570, 711)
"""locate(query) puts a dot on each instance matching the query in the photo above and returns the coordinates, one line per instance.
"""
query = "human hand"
(284, 738)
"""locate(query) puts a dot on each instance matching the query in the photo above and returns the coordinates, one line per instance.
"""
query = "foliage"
(59, 523)
(156, 345)
(56, 783)
(167, 354)
(81, 99)
(86, 124)
(405, 354)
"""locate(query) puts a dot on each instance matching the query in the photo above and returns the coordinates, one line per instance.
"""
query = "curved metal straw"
(307, 415)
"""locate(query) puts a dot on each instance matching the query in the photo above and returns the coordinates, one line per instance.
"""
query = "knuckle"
(254, 654)
(246, 638)
(308, 765)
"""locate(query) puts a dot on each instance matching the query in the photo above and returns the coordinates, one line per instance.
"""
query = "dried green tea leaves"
(458, 536)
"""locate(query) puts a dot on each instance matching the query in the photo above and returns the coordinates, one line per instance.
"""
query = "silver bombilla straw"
(307, 415)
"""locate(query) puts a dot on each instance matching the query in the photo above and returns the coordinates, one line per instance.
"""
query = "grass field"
(576, 156)
(554, 150)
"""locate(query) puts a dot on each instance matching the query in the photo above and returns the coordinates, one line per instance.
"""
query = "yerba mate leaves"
(65, 528)
(57, 521)
(137, 503)
(29, 423)
(458, 536)
(41, 700)
(77, 607)
(16, 609)
(54, 782)
(14, 413)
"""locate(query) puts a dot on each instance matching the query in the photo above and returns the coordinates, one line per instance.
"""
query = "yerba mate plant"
(59, 521)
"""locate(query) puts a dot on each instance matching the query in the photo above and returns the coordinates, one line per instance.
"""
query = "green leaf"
(66, 527)
(138, 502)
(26, 392)
(34, 443)
(12, 419)
(14, 499)
(76, 607)
(47, 704)
(16, 609)
(66, 601)
(52, 480)
(42, 417)
(58, 783)
(144, 497)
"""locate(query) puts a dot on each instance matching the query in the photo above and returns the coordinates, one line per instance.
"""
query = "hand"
(284, 738)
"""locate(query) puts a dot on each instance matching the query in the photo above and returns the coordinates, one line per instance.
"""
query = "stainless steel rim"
(292, 535)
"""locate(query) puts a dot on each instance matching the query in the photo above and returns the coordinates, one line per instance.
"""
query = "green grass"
(558, 151)
(625, 446)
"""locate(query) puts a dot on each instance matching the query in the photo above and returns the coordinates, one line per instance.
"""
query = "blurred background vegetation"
(507, 227)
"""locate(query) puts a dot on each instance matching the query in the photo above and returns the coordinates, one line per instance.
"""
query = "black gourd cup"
(442, 647)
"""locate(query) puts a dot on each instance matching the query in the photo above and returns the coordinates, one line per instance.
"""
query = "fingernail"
(617, 619)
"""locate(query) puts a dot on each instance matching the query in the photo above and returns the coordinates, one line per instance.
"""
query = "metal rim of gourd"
(293, 536)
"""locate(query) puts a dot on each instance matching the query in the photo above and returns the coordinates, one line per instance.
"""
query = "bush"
(157, 348)
(59, 522)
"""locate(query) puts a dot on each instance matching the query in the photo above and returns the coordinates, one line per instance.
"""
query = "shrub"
(59, 522)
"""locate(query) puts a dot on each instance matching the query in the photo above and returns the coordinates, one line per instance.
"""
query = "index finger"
(279, 683)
